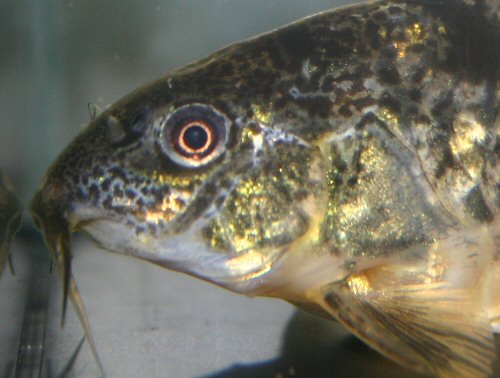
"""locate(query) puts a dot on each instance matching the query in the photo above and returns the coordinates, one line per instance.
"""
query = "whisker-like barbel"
(57, 235)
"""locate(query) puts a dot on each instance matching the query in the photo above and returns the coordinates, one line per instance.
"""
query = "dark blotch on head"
(344, 111)
(106, 184)
(395, 10)
(390, 102)
(475, 205)
(372, 33)
(442, 105)
(474, 41)
(94, 191)
(316, 106)
(415, 94)
(118, 173)
(298, 43)
(130, 194)
(447, 162)
(389, 75)
(363, 102)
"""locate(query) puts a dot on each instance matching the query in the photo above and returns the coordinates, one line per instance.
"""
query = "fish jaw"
(186, 252)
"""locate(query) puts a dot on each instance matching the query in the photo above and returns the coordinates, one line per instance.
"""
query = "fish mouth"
(184, 251)
(51, 219)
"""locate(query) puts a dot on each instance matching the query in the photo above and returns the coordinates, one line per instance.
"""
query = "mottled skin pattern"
(10, 218)
(360, 177)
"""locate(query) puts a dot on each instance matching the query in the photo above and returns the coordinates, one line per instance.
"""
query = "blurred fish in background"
(10, 218)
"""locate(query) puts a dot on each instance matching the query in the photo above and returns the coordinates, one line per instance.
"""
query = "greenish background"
(58, 56)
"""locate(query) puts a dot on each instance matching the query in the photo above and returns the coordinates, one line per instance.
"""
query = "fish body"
(10, 218)
(348, 163)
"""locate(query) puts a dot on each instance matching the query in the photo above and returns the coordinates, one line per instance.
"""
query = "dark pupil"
(195, 137)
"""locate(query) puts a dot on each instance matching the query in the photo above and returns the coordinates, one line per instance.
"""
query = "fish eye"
(194, 135)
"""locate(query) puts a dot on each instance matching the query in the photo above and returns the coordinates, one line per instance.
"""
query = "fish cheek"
(265, 209)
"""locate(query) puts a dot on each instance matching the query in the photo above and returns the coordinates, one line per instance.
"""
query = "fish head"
(194, 172)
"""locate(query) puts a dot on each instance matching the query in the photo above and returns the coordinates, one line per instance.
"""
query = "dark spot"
(446, 162)
(367, 119)
(226, 69)
(442, 105)
(117, 191)
(180, 202)
(118, 173)
(352, 181)
(106, 184)
(388, 55)
(93, 191)
(390, 102)
(476, 206)
(389, 75)
(97, 171)
(364, 102)
(107, 203)
(85, 180)
(423, 119)
(415, 95)
(327, 85)
(316, 106)
(81, 195)
(345, 111)
(418, 48)
(152, 228)
(473, 40)
(380, 16)
(281, 102)
(395, 10)
(140, 203)
(418, 75)
(130, 194)
(371, 32)
(298, 43)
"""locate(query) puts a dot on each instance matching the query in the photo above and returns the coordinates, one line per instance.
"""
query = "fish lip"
(80, 217)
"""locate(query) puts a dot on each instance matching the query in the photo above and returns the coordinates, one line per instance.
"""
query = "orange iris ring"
(186, 150)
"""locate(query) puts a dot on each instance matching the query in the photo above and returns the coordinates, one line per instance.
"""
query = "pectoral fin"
(432, 329)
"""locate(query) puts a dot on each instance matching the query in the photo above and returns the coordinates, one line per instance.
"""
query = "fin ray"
(432, 329)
